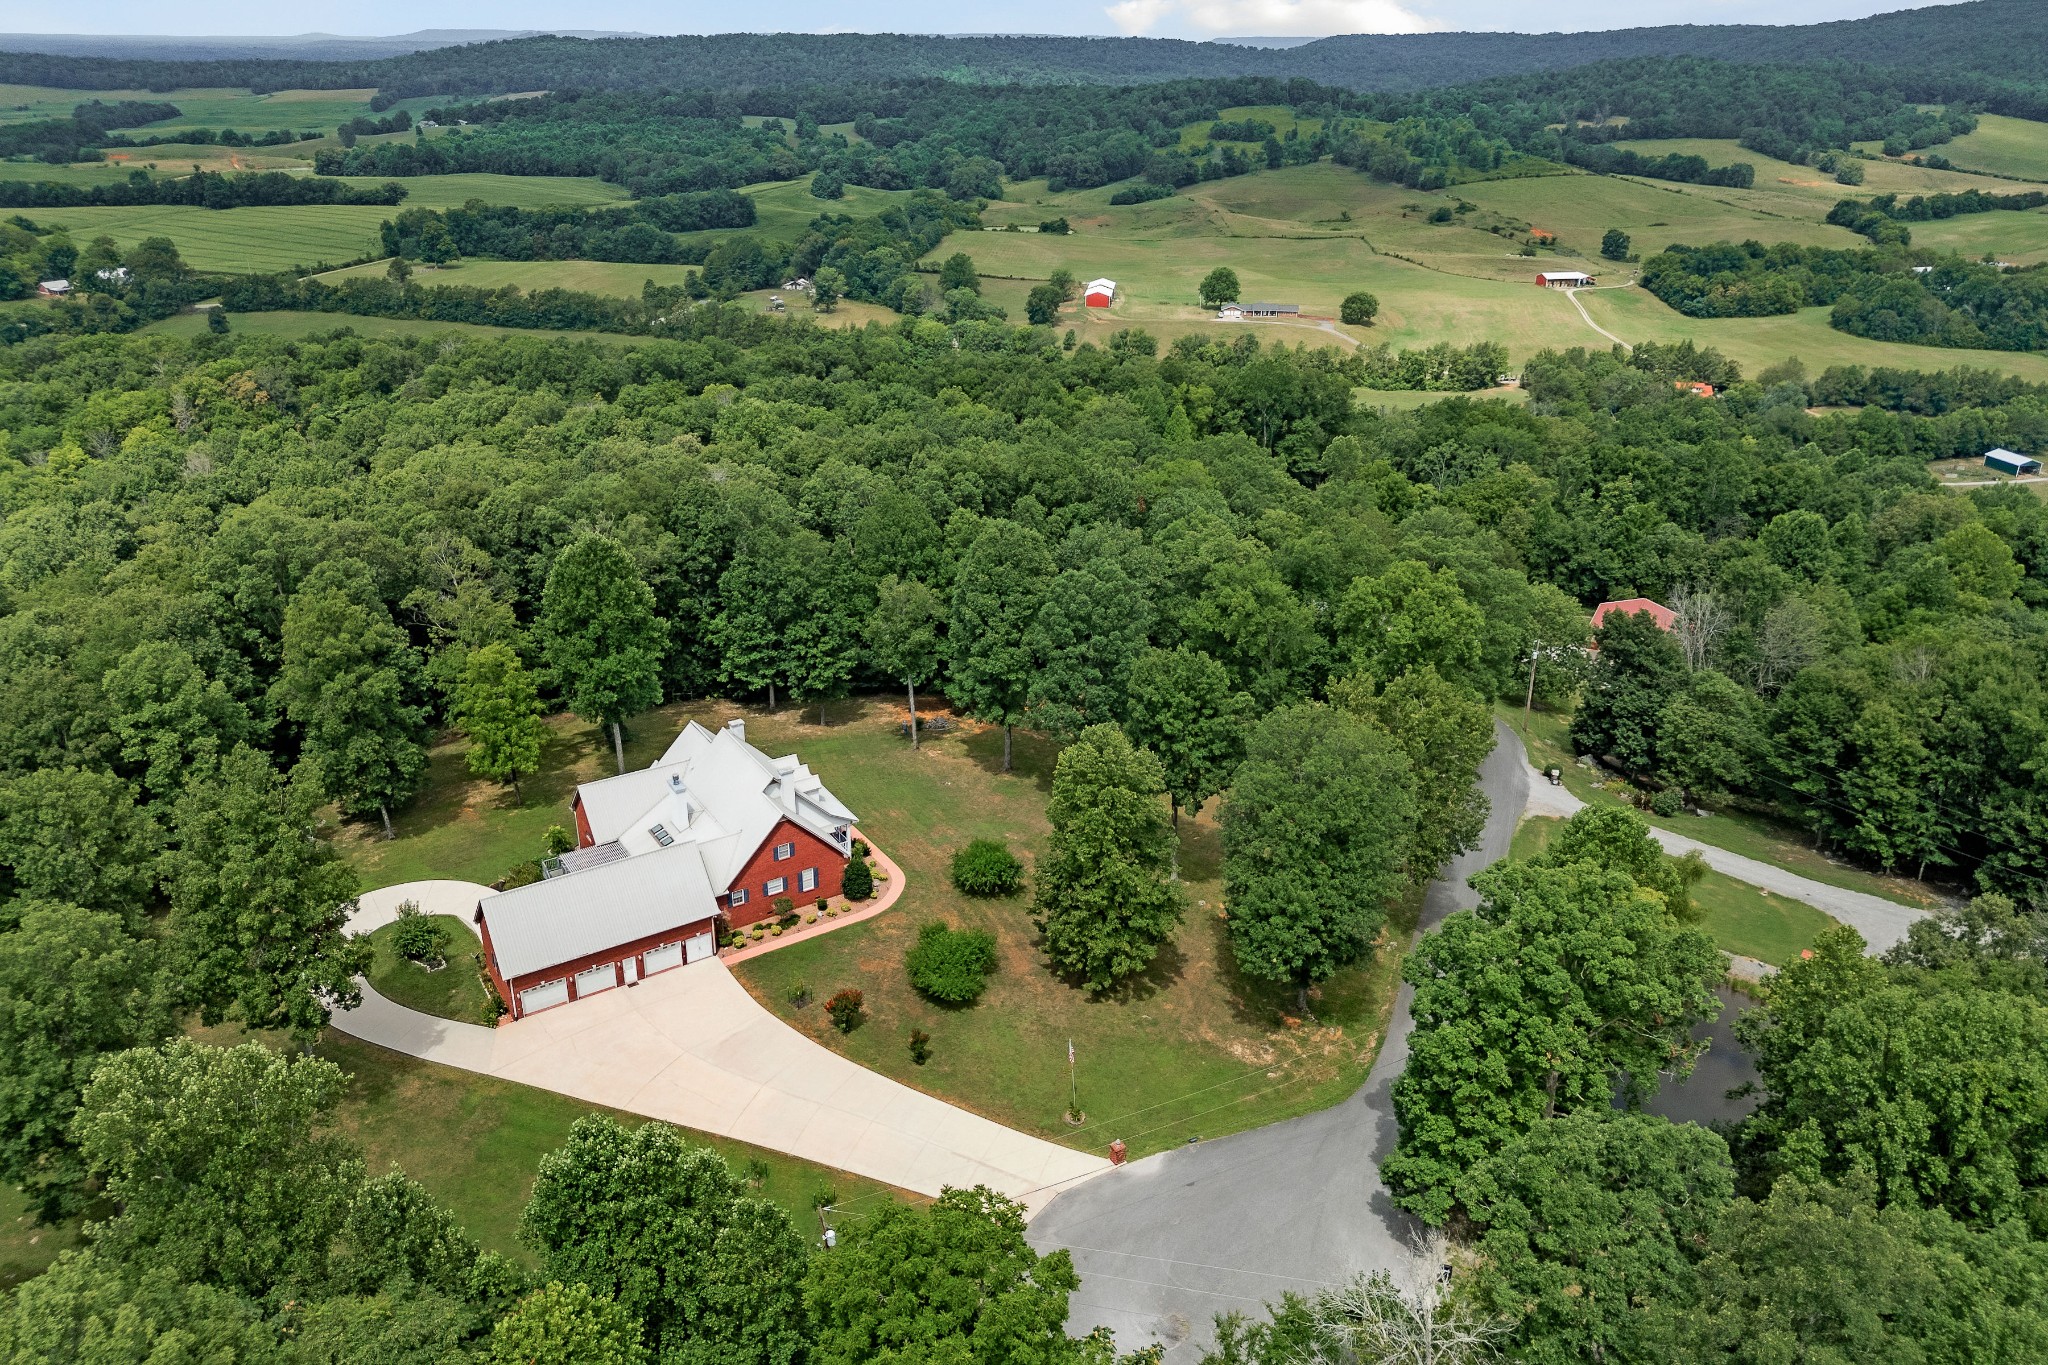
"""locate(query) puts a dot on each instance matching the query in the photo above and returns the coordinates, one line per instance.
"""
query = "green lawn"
(1191, 1050)
(1738, 831)
(1739, 917)
(454, 991)
(26, 1246)
(475, 1142)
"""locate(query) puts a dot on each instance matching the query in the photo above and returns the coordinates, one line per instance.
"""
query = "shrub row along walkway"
(691, 1047)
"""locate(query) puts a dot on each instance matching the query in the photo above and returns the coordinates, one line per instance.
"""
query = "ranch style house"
(713, 828)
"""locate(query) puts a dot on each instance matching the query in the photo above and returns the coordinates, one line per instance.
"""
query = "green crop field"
(2004, 146)
(519, 191)
(2021, 238)
(234, 241)
(593, 277)
(202, 108)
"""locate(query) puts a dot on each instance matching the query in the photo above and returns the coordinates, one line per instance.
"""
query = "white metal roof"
(1101, 287)
(559, 920)
(1565, 275)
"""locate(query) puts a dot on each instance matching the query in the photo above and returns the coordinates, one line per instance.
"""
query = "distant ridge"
(2002, 40)
(295, 47)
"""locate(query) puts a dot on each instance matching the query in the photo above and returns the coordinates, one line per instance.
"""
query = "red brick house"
(713, 828)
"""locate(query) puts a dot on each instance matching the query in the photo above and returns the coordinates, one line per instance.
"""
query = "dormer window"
(662, 836)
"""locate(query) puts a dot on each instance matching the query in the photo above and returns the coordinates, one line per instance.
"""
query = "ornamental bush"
(858, 883)
(417, 936)
(951, 965)
(846, 1008)
(986, 867)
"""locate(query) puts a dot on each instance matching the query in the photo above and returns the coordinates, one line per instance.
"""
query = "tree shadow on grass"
(1166, 969)
(1348, 1000)
(1032, 755)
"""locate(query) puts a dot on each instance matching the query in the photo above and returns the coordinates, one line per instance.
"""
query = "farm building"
(1564, 279)
(1629, 606)
(2011, 462)
(714, 828)
(54, 289)
(1099, 293)
(1270, 310)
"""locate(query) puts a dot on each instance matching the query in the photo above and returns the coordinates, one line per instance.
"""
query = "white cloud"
(1269, 18)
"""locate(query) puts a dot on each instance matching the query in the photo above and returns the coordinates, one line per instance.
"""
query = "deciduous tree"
(600, 636)
(1102, 896)
(1219, 286)
(497, 706)
(1447, 733)
(1317, 829)
(997, 592)
(1181, 708)
(1409, 616)
(903, 635)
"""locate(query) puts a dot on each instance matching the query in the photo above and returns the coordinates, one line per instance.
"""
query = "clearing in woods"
(2001, 145)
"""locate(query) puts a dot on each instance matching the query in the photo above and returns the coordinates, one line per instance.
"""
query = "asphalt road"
(1165, 1244)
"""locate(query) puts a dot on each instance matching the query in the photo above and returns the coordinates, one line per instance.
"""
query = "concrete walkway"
(691, 1047)
(1881, 922)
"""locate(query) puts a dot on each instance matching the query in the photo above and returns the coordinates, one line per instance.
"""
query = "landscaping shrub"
(785, 911)
(986, 867)
(523, 874)
(417, 936)
(859, 882)
(951, 965)
(1667, 803)
(847, 1009)
(799, 995)
(920, 1046)
(560, 840)
(860, 848)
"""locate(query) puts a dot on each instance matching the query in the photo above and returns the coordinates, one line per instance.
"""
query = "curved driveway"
(690, 1046)
(1165, 1244)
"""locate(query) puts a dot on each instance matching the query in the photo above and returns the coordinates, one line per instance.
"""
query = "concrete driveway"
(691, 1047)
(1165, 1244)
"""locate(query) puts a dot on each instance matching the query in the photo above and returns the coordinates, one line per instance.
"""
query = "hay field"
(2021, 238)
(209, 107)
(590, 277)
(233, 241)
(520, 191)
(2003, 146)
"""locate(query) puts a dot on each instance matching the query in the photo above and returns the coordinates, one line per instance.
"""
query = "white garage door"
(661, 959)
(701, 947)
(596, 979)
(542, 996)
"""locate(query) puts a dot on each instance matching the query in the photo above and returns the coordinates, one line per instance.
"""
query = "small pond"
(1702, 1097)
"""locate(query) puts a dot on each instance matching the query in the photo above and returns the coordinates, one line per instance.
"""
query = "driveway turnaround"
(691, 1047)
(1165, 1244)
(1881, 922)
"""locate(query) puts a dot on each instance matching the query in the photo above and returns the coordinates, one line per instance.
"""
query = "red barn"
(714, 828)
(1099, 293)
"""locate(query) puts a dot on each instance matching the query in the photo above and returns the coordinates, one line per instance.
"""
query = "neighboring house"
(117, 275)
(713, 828)
(1629, 606)
(1564, 279)
(54, 289)
(1230, 312)
(1270, 310)
(1694, 387)
(1098, 293)
(800, 285)
(2010, 462)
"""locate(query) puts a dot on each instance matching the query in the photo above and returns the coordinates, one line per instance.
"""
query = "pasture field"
(233, 241)
(1654, 213)
(1782, 187)
(210, 107)
(2021, 238)
(1636, 316)
(2003, 146)
(1279, 115)
(519, 191)
(86, 173)
(592, 277)
(294, 326)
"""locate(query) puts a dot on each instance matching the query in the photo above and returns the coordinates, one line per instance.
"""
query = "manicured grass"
(454, 991)
(1191, 1049)
(1739, 917)
(475, 1142)
(2008, 146)
(234, 241)
(1739, 831)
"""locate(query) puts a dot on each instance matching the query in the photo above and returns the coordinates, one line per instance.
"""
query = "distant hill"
(2003, 38)
(327, 47)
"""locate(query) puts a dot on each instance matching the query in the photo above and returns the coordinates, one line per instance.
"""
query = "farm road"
(1165, 1244)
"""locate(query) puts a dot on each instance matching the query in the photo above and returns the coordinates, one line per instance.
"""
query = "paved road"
(1165, 1244)
(1881, 922)
(690, 1046)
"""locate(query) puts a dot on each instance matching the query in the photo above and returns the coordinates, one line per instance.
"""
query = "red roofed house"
(1629, 606)
(714, 827)
(1694, 387)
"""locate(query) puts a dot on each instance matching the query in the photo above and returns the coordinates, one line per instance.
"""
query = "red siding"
(811, 851)
(584, 838)
(510, 989)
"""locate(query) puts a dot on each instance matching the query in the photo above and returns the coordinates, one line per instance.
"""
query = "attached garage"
(601, 978)
(544, 996)
(661, 959)
(702, 946)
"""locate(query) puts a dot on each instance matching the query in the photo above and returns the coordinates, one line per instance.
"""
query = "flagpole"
(1073, 1085)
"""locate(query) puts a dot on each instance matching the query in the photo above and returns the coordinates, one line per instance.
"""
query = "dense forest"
(242, 580)
(1997, 37)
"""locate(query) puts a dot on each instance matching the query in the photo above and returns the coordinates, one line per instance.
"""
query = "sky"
(1150, 18)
